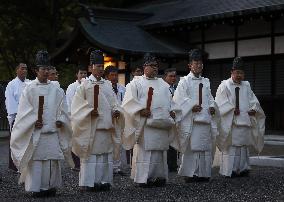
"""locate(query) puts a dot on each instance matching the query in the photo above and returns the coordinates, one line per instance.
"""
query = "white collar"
(18, 79)
(233, 83)
(94, 79)
(191, 75)
(144, 76)
(39, 83)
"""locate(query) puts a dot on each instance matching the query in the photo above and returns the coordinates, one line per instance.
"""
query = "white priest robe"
(150, 137)
(196, 131)
(238, 132)
(36, 152)
(95, 138)
(70, 92)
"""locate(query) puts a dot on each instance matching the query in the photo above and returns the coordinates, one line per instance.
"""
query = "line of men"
(100, 119)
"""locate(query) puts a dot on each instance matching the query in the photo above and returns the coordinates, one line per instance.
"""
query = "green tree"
(29, 25)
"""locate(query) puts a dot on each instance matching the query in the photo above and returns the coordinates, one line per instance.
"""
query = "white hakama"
(148, 164)
(44, 170)
(236, 157)
(121, 163)
(98, 168)
(197, 159)
(43, 175)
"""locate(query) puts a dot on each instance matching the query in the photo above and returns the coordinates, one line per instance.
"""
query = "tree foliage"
(29, 25)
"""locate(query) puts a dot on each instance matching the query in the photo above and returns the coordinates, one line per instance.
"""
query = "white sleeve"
(11, 102)
(69, 96)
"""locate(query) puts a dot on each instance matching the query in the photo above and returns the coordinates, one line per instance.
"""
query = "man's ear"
(189, 65)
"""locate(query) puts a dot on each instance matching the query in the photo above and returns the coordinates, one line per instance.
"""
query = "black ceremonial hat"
(96, 57)
(238, 63)
(150, 58)
(42, 59)
(195, 54)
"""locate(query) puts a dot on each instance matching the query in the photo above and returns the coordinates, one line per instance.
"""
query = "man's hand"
(145, 113)
(95, 113)
(173, 114)
(237, 112)
(116, 114)
(251, 112)
(58, 124)
(38, 124)
(212, 110)
(196, 108)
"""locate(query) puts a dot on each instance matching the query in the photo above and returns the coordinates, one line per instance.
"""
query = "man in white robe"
(242, 123)
(13, 93)
(40, 141)
(197, 129)
(148, 130)
(96, 131)
(53, 74)
(111, 74)
(136, 71)
(81, 74)
(3, 112)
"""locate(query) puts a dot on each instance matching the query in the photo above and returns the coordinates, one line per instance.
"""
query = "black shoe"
(143, 185)
(203, 179)
(150, 183)
(234, 174)
(189, 180)
(52, 192)
(40, 194)
(37, 194)
(119, 172)
(160, 182)
(105, 187)
(97, 187)
(86, 189)
(244, 173)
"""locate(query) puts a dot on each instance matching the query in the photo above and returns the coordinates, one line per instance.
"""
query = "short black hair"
(19, 64)
(110, 69)
(52, 67)
(81, 67)
(133, 68)
(169, 70)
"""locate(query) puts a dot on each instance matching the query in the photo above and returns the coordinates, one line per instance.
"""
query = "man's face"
(196, 67)
(112, 77)
(171, 78)
(81, 74)
(42, 73)
(137, 72)
(151, 70)
(237, 75)
(22, 71)
(97, 70)
(53, 75)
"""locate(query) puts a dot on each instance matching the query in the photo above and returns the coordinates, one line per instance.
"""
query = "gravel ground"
(264, 184)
